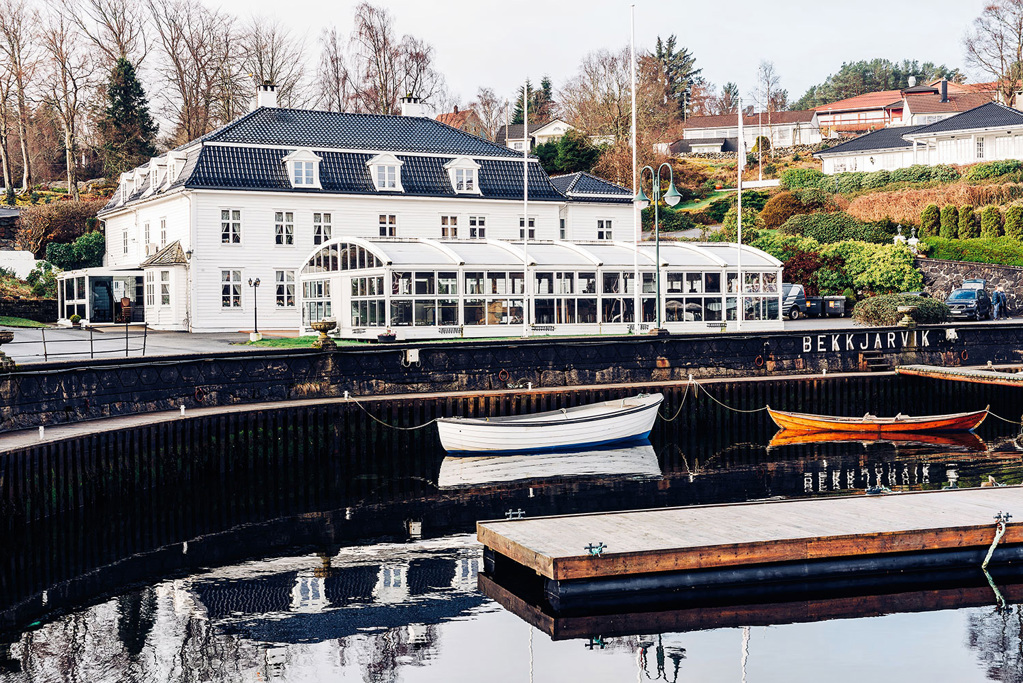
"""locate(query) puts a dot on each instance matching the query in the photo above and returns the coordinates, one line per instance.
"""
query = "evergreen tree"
(127, 130)
(568, 154)
(678, 73)
(857, 78)
(541, 103)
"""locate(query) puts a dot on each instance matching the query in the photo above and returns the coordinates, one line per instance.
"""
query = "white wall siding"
(582, 221)
(173, 208)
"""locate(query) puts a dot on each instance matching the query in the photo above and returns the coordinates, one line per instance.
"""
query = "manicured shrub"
(780, 208)
(827, 228)
(802, 178)
(949, 222)
(847, 183)
(884, 310)
(968, 228)
(994, 169)
(751, 224)
(1001, 250)
(990, 222)
(912, 174)
(816, 199)
(1013, 222)
(877, 179)
(930, 220)
(945, 174)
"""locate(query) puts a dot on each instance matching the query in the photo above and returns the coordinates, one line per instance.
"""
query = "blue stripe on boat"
(635, 438)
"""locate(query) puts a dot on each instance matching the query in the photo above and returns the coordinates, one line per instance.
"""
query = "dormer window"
(303, 169)
(385, 170)
(463, 172)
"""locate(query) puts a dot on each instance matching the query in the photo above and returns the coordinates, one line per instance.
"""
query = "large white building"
(187, 231)
(989, 132)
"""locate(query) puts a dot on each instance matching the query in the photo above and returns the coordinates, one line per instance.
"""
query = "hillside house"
(721, 133)
(465, 120)
(988, 132)
(512, 137)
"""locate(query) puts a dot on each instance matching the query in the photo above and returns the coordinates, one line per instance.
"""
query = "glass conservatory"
(427, 289)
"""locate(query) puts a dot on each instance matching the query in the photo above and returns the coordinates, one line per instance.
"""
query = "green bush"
(1001, 250)
(883, 310)
(668, 218)
(930, 220)
(949, 222)
(780, 208)
(990, 222)
(850, 297)
(994, 169)
(968, 228)
(945, 174)
(847, 183)
(876, 180)
(714, 212)
(827, 228)
(43, 280)
(1013, 222)
(816, 199)
(751, 224)
(84, 252)
(803, 178)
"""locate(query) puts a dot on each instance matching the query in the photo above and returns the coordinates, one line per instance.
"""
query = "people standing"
(999, 302)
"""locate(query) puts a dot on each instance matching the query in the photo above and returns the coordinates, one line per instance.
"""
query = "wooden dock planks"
(717, 536)
(972, 375)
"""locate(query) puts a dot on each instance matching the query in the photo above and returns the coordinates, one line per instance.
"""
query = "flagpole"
(637, 316)
(525, 209)
(741, 158)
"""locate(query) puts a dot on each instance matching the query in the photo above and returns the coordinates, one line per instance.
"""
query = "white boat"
(595, 424)
(628, 461)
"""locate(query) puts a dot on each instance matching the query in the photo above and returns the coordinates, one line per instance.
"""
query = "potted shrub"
(76, 320)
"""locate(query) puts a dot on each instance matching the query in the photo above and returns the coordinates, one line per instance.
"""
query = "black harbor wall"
(55, 393)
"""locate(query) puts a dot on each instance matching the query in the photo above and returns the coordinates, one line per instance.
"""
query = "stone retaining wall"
(941, 277)
(41, 310)
(65, 392)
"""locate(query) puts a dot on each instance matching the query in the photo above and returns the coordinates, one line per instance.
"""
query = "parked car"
(970, 304)
(793, 300)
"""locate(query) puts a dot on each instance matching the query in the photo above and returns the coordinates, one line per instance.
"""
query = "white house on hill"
(989, 132)
(782, 128)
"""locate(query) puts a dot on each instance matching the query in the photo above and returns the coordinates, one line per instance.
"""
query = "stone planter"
(907, 316)
(323, 327)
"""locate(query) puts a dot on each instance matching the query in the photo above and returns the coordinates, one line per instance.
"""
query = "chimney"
(944, 90)
(456, 108)
(266, 95)
(912, 81)
(411, 106)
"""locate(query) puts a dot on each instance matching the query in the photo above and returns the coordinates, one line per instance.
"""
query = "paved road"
(63, 344)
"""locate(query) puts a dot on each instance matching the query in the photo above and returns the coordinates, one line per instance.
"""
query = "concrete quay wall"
(57, 393)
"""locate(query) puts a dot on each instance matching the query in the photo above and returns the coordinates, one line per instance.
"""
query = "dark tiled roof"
(249, 168)
(334, 130)
(579, 185)
(885, 138)
(171, 255)
(990, 115)
(514, 131)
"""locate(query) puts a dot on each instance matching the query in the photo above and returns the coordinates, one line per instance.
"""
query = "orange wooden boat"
(955, 440)
(871, 424)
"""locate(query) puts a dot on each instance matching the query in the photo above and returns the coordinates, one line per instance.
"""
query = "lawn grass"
(297, 342)
(11, 321)
(700, 204)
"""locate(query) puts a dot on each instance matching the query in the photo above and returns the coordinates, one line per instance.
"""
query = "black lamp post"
(255, 308)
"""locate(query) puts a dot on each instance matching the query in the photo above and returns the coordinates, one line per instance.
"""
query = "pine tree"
(541, 103)
(127, 130)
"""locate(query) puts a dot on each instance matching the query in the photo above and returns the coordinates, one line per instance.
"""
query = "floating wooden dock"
(692, 548)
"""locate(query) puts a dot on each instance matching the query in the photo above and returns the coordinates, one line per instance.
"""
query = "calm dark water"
(334, 587)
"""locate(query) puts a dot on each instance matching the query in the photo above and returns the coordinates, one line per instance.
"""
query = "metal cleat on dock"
(596, 550)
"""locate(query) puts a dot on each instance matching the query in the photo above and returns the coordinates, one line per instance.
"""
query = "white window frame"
(303, 167)
(231, 300)
(605, 229)
(124, 240)
(980, 148)
(323, 228)
(281, 285)
(150, 289)
(388, 222)
(532, 227)
(385, 172)
(230, 226)
(145, 234)
(463, 172)
(284, 228)
(477, 227)
(165, 288)
(163, 232)
(449, 227)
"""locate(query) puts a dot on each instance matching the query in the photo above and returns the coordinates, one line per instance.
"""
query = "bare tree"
(115, 27)
(598, 98)
(270, 54)
(490, 109)
(334, 81)
(69, 70)
(17, 49)
(995, 45)
(6, 91)
(384, 67)
(766, 94)
(198, 63)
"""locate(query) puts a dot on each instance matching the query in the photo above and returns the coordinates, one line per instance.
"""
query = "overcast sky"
(497, 44)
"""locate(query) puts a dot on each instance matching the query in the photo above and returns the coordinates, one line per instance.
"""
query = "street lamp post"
(671, 198)
(255, 336)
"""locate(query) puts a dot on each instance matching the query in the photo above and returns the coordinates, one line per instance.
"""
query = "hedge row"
(847, 183)
(997, 250)
(951, 222)
(828, 228)
(884, 310)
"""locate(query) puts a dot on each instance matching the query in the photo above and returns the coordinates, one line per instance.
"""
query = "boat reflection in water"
(967, 441)
(633, 461)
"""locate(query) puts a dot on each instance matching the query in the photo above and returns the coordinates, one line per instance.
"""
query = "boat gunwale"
(875, 421)
(530, 419)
